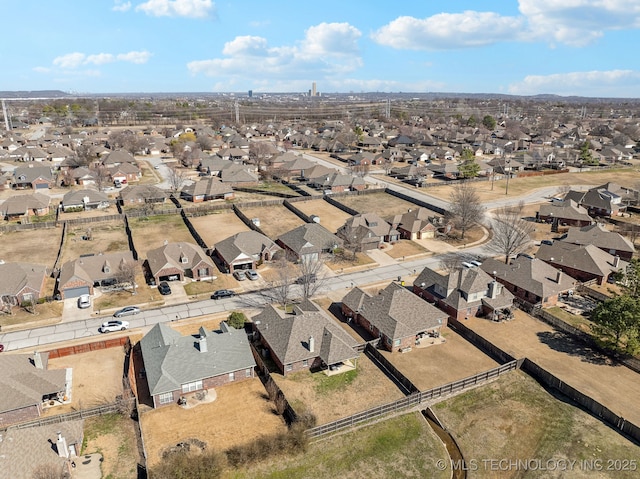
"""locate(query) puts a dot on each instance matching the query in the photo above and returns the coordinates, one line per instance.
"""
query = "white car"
(114, 325)
(84, 301)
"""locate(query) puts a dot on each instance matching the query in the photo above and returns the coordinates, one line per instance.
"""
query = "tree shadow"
(566, 344)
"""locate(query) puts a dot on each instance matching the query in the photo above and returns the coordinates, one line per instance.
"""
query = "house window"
(202, 272)
(396, 342)
(232, 377)
(166, 398)
(247, 373)
(288, 367)
(194, 386)
(370, 327)
(305, 362)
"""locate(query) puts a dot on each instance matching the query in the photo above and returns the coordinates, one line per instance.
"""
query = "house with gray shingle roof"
(566, 212)
(137, 194)
(245, 250)
(597, 235)
(22, 206)
(464, 293)
(417, 223)
(21, 282)
(239, 175)
(304, 340)
(395, 315)
(175, 261)
(80, 276)
(85, 199)
(532, 280)
(207, 189)
(177, 365)
(36, 177)
(367, 231)
(308, 241)
(27, 386)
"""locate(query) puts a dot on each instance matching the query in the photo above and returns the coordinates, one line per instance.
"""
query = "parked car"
(84, 301)
(128, 311)
(113, 325)
(252, 275)
(223, 293)
(240, 275)
(164, 288)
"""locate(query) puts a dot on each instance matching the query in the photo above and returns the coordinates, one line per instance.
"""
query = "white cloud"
(326, 49)
(121, 6)
(590, 83)
(75, 60)
(177, 8)
(448, 30)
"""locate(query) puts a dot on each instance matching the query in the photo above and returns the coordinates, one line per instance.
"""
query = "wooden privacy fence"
(408, 402)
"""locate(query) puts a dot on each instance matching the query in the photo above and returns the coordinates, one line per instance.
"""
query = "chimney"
(311, 344)
(37, 360)
(616, 261)
(61, 446)
(558, 277)
(493, 289)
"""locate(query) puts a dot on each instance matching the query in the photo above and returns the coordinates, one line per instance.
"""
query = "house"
(399, 318)
(81, 176)
(34, 177)
(50, 448)
(21, 283)
(207, 189)
(176, 365)
(239, 175)
(117, 158)
(23, 206)
(85, 199)
(337, 182)
(464, 293)
(29, 387)
(604, 200)
(530, 280)
(418, 223)
(80, 276)
(584, 263)
(308, 241)
(175, 261)
(245, 250)
(367, 231)
(566, 212)
(306, 339)
(139, 194)
(597, 235)
(125, 173)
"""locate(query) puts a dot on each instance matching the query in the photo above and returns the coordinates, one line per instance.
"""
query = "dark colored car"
(223, 293)
(164, 288)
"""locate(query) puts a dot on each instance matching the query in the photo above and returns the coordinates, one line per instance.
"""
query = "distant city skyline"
(518, 47)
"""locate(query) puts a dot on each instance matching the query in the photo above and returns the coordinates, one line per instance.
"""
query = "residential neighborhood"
(215, 285)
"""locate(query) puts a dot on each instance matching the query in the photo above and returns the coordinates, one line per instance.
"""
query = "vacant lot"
(274, 220)
(94, 238)
(97, 377)
(151, 232)
(218, 226)
(440, 364)
(34, 246)
(515, 418)
(333, 397)
(331, 217)
(239, 414)
(613, 385)
(383, 204)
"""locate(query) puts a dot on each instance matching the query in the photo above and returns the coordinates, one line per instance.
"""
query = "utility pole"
(6, 116)
(237, 106)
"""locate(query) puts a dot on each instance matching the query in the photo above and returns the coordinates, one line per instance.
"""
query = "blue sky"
(526, 47)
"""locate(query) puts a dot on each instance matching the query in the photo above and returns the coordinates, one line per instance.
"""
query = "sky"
(520, 47)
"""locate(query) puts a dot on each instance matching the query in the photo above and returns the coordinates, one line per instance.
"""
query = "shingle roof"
(599, 236)
(309, 238)
(20, 204)
(586, 258)
(171, 359)
(77, 197)
(94, 268)
(14, 277)
(171, 254)
(248, 243)
(567, 209)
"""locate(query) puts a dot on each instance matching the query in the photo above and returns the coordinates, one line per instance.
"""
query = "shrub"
(237, 319)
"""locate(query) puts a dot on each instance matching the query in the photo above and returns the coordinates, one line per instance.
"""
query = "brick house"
(464, 293)
(367, 231)
(20, 283)
(308, 241)
(175, 261)
(418, 223)
(609, 241)
(34, 177)
(23, 206)
(245, 250)
(306, 339)
(566, 212)
(176, 365)
(207, 189)
(399, 318)
(139, 194)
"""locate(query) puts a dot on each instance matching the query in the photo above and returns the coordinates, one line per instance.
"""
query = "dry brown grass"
(383, 204)
(405, 248)
(218, 226)
(150, 233)
(107, 237)
(274, 220)
(46, 313)
(239, 414)
(331, 217)
(34, 246)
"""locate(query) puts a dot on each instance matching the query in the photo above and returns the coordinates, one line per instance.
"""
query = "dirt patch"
(94, 238)
(151, 232)
(331, 217)
(304, 389)
(274, 220)
(218, 226)
(239, 414)
(443, 363)
(383, 204)
(27, 246)
(97, 378)
(612, 384)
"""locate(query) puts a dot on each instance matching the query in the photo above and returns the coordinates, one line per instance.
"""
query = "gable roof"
(210, 186)
(79, 197)
(171, 359)
(586, 258)
(598, 235)
(170, 255)
(309, 238)
(249, 243)
(568, 209)
(20, 204)
(94, 268)
(15, 277)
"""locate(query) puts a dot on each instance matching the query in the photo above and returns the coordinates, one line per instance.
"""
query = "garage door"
(75, 292)
(42, 186)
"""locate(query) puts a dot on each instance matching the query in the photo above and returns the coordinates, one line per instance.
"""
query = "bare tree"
(126, 274)
(101, 176)
(259, 151)
(280, 290)
(451, 262)
(465, 207)
(176, 178)
(311, 280)
(83, 155)
(511, 233)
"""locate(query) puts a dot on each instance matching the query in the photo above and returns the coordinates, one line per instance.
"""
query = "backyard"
(275, 220)
(217, 226)
(331, 217)
(39, 246)
(151, 232)
(94, 238)
(383, 204)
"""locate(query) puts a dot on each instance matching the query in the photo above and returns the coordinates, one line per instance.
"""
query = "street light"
(508, 172)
